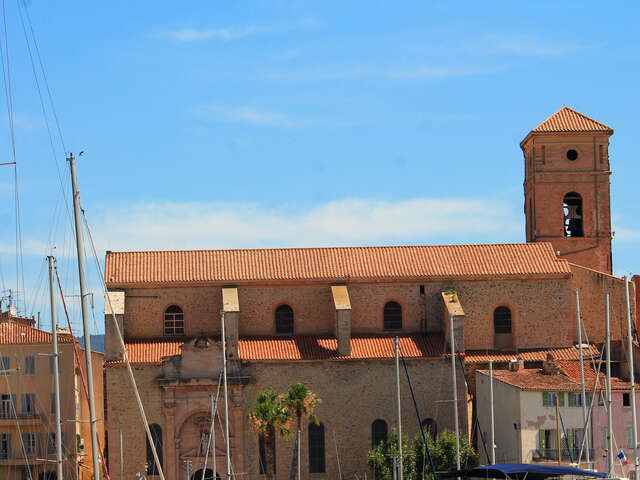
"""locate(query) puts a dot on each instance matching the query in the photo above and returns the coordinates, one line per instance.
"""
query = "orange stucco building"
(327, 317)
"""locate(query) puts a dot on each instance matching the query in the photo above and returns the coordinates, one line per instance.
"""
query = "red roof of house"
(567, 379)
(567, 120)
(304, 347)
(16, 333)
(559, 353)
(344, 263)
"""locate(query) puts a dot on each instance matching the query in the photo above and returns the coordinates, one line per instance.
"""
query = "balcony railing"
(551, 454)
(18, 415)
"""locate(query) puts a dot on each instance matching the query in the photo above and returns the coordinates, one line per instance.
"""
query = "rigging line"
(44, 73)
(76, 354)
(415, 406)
(212, 431)
(13, 400)
(484, 444)
(42, 102)
(125, 353)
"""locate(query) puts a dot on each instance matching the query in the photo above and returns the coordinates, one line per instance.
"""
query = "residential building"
(27, 402)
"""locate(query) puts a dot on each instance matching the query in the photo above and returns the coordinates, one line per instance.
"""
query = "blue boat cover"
(520, 471)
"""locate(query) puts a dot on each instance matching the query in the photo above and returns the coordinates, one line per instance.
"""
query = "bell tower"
(566, 188)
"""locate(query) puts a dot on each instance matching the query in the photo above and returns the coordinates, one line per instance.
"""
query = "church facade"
(328, 317)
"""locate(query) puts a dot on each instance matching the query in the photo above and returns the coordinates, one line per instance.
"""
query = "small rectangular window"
(30, 365)
(626, 400)
(29, 443)
(421, 289)
(28, 403)
(5, 446)
(546, 399)
(5, 365)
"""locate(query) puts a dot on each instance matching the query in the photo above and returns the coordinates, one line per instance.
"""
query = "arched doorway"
(208, 475)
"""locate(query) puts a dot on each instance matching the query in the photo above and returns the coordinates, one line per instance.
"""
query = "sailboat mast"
(56, 368)
(608, 388)
(493, 422)
(396, 351)
(226, 395)
(85, 315)
(634, 418)
(582, 385)
(455, 389)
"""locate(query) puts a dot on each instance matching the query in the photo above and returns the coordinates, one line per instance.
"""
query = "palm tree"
(269, 415)
(300, 402)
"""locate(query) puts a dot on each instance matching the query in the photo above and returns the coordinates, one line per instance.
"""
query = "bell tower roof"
(567, 120)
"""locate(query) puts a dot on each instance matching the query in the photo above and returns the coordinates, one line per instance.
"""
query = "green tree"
(380, 458)
(443, 453)
(268, 416)
(300, 403)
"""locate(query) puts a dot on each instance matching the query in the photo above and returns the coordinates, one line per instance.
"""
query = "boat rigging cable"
(415, 406)
(8, 92)
(125, 353)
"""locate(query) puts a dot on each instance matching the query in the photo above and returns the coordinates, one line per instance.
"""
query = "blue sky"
(285, 123)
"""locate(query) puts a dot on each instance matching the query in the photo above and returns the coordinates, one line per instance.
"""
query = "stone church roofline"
(568, 121)
(334, 264)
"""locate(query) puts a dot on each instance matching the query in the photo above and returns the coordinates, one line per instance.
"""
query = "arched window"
(572, 209)
(156, 435)
(379, 432)
(316, 448)
(173, 321)
(502, 333)
(284, 319)
(430, 427)
(392, 316)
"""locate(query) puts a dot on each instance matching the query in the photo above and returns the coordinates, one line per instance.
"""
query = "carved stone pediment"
(199, 358)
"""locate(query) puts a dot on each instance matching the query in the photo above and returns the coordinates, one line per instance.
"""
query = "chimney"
(113, 307)
(516, 364)
(549, 366)
(231, 310)
(342, 303)
(453, 312)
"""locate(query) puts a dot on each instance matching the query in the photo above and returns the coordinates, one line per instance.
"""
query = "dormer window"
(173, 321)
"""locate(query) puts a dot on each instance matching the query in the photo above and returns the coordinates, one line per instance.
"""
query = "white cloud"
(251, 116)
(627, 235)
(410, 73)
(524, 47)
(351, 221)
(227, 33)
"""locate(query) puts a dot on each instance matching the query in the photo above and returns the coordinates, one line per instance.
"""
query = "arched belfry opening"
(573, 216)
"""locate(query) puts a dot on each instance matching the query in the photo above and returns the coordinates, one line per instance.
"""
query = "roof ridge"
(337, 247)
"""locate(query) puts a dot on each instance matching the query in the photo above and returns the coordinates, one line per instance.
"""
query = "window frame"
(392, 321)
(156, 435)
(176, 329)
(5, 365)
(284, 319)
(30, 365)
(379, 432)
(575, 200)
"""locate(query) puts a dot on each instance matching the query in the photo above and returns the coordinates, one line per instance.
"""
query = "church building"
(328, 317)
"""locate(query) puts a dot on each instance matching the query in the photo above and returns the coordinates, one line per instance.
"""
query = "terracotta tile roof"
(567, 120)
(559, 353)
(304, 347)
(372, 263)
(325, 348)
(16, 333)
(533, 379)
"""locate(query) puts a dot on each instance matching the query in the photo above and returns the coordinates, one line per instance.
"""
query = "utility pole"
(455, 389)
(558, 432)
(608, 388)
(77, 213)
(493, 425)
(56, 367)
(226, 394)
(632, 379)
(396, 348)
(582, 385)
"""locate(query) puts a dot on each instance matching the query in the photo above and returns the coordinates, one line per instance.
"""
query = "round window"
(572, 154)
